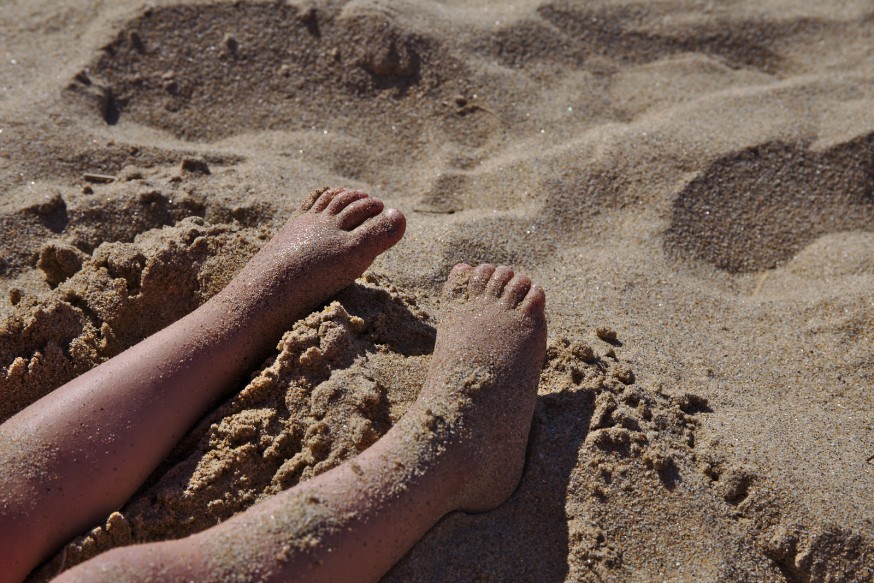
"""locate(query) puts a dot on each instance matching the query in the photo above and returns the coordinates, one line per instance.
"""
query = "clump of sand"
(104, 302)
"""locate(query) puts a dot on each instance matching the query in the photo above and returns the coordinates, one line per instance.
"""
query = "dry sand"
(697, 178)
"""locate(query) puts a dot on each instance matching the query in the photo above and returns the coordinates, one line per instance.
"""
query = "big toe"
(382, 231)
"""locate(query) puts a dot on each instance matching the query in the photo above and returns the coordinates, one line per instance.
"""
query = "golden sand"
(692, 184)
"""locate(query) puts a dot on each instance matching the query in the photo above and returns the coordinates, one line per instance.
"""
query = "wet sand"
(692, 185)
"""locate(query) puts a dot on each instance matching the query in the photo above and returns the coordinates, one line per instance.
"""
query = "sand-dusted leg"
(460, 446)
(80, 452)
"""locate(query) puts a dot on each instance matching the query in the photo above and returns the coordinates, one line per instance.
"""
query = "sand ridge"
(695, 178)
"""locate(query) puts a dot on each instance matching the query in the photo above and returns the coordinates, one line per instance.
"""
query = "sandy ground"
(697, 178)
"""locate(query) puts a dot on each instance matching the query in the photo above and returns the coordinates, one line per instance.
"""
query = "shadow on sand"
(526, 539)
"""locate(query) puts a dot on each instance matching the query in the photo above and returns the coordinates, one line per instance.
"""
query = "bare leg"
(80, 452)
(461, 446)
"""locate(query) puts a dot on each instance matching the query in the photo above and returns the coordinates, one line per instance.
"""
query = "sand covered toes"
(334, 238)
(342, 226)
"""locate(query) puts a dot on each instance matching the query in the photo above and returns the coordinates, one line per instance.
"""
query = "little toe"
(515, 290)
(479, 277)
(534, 302)
(382, 231)
(343, 200)
(325, 198)
(499, 279)
(359, 211)
(307, 203)
(457, 282)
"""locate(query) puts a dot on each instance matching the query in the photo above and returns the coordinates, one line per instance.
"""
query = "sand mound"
(107, 301)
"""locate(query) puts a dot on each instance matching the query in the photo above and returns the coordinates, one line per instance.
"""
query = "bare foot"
(319, 251)
(482, 385)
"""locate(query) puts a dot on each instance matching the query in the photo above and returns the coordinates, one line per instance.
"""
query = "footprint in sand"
(757, 208)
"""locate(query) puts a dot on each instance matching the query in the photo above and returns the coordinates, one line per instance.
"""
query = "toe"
(534, 302)
(516, 290)
(456, 284)
(359, 211)
(325, 198)
(343, 200)
(499, 279)
(382, 231)
(312, 198)
(479, 277)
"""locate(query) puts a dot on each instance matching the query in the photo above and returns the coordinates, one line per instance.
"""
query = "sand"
(692, 184)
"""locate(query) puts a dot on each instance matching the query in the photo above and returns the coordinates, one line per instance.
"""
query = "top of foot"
(321, 250)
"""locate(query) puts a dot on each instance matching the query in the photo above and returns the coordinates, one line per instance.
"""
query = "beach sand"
(692, 183)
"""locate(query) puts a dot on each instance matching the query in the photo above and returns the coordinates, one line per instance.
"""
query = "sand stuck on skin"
(692, 184)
